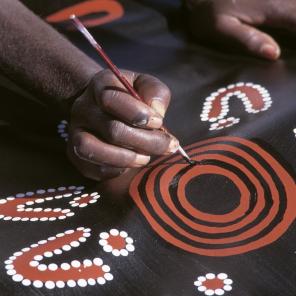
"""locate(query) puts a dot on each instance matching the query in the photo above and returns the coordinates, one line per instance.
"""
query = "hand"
(111, 131)
(234, 21)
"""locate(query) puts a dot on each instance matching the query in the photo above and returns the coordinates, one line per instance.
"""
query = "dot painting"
(63, 130)
(255, 99)
(264, 213)
(212, 284)
(28, 206)
(26, 266)
(117, 242)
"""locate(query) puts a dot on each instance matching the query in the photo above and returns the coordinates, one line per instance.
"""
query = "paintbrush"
(78, 24)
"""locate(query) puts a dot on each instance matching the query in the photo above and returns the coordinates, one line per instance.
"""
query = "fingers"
(90, 170)
(111, 95)
(123, 106)
(155, 93)
(89, 148)
(150, 142)
(250, 38)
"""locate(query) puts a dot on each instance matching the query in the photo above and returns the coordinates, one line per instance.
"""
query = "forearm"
(37, 57)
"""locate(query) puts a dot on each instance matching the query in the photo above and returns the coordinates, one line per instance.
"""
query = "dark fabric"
(32, 158)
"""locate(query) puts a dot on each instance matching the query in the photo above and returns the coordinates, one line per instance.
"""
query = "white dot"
(11, 272)
(130, 248)
(52, 267)
(82, 239)
(65, 266)
(209, 292)
(9, 266)
(58, 251)
(71, 283)
(227, 288)
(105, 268)
(107, 248)
(34, 263)
(114, 232)
(197, 283)
(91, 282)
(116, 252)
(82, 283)
(48, 254)
(201, 278)
(98, 261)
(129, 240)
(201, 288)
(75, 244)
(20, 195)
(222, 276)
(66, 247)
(87, 263)
(108, 276)
(26, 282)
(69, 231)
(228, 281)
(42, 267)
(219, 292)
(75, 263)
(101, 281)
(103, 242)
(17, 277)
(37, 284)
(123, 252)
(60, 284)
(104, 235)
(210, 276)
(49, 284)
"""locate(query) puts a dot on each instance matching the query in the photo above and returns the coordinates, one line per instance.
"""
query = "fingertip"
(269, 51)
(158, 106)
(141, 160)
(155, 122)
(173, 146)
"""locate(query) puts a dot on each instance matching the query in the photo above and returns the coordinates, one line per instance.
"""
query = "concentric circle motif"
(265, 210)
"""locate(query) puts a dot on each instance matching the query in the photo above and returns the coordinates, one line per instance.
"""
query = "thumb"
(250, 38)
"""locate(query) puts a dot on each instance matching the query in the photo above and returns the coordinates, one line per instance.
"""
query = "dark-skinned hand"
(110, 131)
(235, 21)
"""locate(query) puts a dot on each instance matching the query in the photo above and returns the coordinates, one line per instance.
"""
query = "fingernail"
(174, 145)
(155, 121)
(158, 106)
(142, 160)
(269, 51)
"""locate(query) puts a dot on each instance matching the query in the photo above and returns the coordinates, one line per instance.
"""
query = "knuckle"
(107, 98)
(161, 143)
(117, 131)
